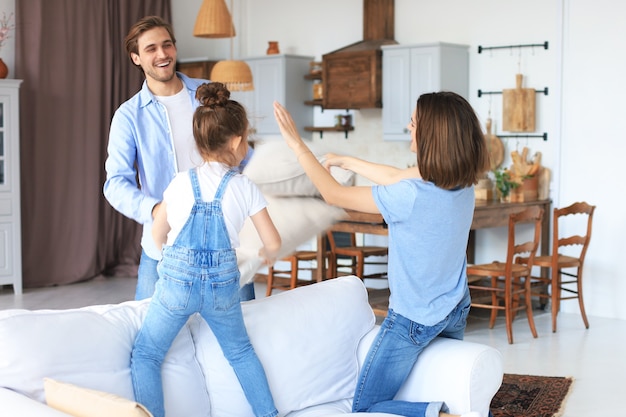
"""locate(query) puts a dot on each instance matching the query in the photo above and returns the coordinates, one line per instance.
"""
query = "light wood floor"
(594, 357)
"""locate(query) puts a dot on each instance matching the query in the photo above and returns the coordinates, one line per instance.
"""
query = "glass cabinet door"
(2, 153)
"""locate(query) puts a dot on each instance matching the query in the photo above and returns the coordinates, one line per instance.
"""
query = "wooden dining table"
(487, 214)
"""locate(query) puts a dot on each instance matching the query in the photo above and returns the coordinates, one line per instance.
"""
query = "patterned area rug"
(531, 396)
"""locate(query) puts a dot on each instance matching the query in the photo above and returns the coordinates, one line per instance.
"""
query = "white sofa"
(311, 341)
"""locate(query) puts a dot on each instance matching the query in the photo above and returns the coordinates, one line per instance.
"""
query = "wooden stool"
(294, 259)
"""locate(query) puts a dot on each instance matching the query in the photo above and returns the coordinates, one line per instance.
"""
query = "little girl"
(197, 226)
(429, 210)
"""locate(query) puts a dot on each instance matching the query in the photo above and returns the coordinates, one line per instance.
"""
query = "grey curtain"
(71, 57)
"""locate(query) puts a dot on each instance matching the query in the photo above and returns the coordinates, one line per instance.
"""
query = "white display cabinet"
(10, 216)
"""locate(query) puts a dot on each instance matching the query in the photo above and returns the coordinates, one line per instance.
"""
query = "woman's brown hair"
(451, 147)
(216, 121)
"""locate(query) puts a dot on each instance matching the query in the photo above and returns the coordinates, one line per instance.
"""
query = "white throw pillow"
(298, 220)
(275, 169)
(306, 339)
(90, 347)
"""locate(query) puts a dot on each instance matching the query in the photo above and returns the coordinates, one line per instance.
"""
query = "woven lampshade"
(235, 75)
(214, 20)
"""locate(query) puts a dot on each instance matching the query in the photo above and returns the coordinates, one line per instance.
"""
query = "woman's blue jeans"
(216, 298)
(392, 356)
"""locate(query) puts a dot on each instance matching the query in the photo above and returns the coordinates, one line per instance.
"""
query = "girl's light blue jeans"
(147, 278)
(216, 298)
(392, 356)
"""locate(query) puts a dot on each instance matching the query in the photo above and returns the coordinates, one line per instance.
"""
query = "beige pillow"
(297, 219)
(276, 171)
(83, 402)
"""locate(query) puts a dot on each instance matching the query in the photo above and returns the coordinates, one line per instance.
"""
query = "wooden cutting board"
(495, 147)
(518, 108)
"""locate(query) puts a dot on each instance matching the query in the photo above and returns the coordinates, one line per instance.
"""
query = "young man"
(151, 139)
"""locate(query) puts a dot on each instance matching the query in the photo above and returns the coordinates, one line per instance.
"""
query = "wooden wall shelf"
(314, 103)
(321, 130)
(316, 76)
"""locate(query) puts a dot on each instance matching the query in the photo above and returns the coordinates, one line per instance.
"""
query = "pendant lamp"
(215, 21)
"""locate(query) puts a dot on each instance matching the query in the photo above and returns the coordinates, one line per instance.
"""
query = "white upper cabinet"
(411, 70)
(280, 78)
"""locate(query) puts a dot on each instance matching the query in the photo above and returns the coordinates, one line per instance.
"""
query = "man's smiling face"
(156, 55)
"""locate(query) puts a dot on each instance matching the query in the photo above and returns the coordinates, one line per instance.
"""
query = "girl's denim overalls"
(198, 274)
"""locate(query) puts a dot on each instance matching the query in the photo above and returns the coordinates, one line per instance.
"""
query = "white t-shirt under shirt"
(180, 115)
(241, 199)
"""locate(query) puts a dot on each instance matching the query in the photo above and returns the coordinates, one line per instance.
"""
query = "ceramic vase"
(272, 49)
(4, 70)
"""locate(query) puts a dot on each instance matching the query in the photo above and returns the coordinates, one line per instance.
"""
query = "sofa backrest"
(307, 340)
(90, 347)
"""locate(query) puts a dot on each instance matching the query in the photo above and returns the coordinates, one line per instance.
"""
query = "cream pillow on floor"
(83, 402)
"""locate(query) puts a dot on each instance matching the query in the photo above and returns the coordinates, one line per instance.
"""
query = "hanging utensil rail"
(484, 93)
(544, 136)
(486, 48)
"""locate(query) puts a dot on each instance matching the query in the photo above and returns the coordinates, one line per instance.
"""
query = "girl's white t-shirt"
(241, 199)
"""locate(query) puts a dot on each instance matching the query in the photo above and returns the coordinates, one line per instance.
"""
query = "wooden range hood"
(352, 75)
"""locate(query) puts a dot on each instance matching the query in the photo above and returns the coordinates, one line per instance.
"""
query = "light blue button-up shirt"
(141, 134)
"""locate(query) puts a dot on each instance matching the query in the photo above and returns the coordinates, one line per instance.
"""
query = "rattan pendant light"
(212, 21)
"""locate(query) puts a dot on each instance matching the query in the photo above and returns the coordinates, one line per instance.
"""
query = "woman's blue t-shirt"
(428, 233)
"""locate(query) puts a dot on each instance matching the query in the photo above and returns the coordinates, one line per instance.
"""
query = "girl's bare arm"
(269, 236)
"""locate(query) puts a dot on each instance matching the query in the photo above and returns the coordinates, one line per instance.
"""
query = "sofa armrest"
(17, 405)
(465, 375)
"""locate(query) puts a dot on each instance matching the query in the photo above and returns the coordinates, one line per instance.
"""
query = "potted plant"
(504, 183)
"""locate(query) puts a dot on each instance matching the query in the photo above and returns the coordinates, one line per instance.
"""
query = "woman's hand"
(334, 160)
(288, 128)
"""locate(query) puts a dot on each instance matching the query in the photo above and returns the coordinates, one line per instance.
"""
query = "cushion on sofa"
(298, 220)
(90, 347)
(83, 402)
(307, 340)
(276, 170)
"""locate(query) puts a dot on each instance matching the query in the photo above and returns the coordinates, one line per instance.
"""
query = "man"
(151, 139)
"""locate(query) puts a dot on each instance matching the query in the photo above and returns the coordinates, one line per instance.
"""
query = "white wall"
(582, 113)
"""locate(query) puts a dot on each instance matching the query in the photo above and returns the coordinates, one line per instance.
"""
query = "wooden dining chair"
(342, 245)
(568, 252)
(502, 285)
(301, 260)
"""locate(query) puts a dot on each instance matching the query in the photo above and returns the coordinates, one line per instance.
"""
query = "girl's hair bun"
(213, 94)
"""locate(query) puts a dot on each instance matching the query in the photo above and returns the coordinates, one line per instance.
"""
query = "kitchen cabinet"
(10, 216)
(196, 69)
(277, 78)
(352, 79)
(411, 70)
